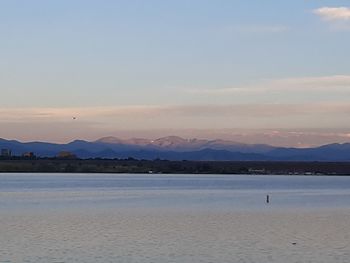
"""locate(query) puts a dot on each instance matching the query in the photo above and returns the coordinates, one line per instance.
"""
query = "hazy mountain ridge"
(177, 148)
(176, 143)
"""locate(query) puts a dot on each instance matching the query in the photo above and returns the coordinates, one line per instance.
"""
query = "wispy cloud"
(333, 13)
(336, 83)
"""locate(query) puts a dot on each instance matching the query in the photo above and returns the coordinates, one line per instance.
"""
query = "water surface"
(173, 218)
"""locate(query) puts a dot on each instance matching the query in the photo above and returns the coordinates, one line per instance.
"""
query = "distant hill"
(177, 148)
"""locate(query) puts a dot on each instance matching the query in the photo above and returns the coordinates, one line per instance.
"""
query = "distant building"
(28, 155)
(66, 155)
(6, 153)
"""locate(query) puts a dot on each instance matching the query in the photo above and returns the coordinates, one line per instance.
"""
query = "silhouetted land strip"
(130, 165)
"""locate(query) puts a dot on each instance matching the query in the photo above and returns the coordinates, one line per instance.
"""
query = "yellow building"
(66, 155)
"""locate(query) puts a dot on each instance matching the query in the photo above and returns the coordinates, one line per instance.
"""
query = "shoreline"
(133, 166)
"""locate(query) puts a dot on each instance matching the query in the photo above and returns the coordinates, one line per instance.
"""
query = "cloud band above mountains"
(237, 110)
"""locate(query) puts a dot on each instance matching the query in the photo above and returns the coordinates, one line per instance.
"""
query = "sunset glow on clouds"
(95, 122)
(98, 114)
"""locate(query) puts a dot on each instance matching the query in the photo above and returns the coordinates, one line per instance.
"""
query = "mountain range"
(177, 148)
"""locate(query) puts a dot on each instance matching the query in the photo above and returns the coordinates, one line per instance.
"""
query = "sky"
(254, 71)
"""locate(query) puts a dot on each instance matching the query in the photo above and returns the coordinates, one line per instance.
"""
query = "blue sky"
(173, 65)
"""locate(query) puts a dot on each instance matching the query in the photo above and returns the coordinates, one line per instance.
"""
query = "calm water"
(173, 218)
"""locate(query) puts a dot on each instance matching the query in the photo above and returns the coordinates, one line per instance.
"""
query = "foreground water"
(167, 218)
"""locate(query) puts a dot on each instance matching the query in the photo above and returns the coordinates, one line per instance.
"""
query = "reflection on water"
(186, 218)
